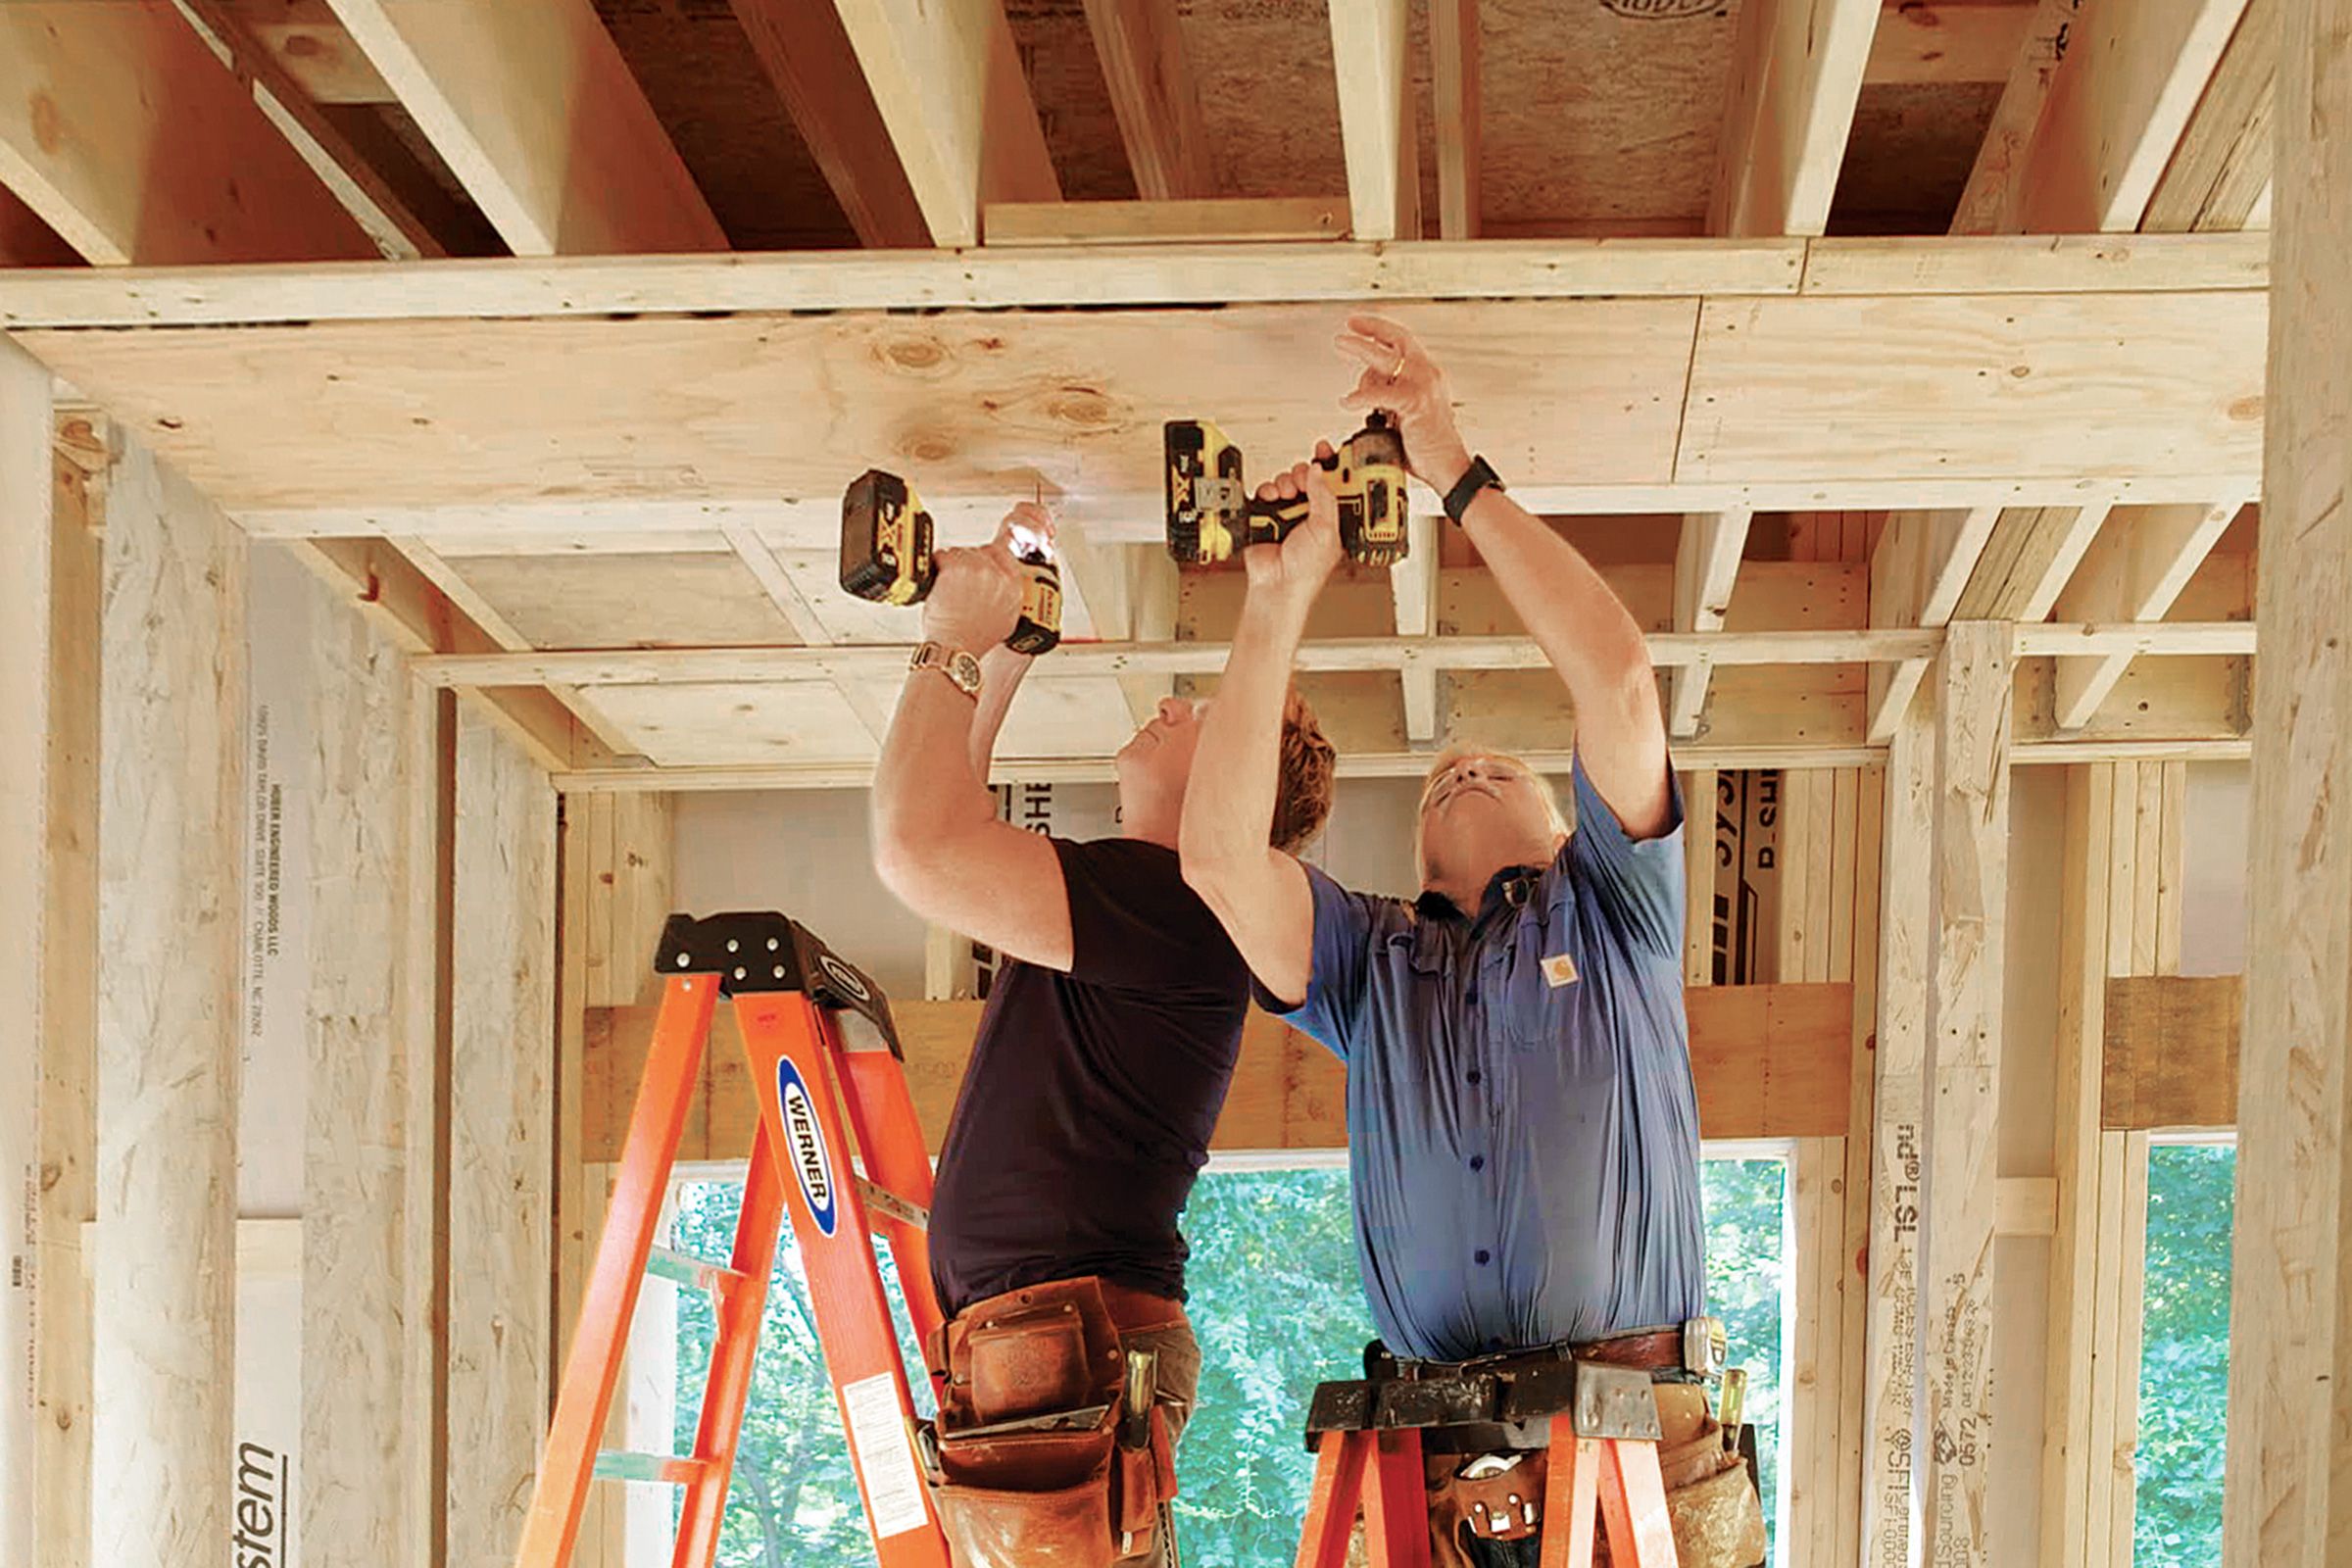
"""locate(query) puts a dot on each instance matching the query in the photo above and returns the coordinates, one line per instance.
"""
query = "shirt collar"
(1514, 885)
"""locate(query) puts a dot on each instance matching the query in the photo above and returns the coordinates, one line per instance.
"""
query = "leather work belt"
(1506, 1401)
(1694, 1350)
(1051, 1449)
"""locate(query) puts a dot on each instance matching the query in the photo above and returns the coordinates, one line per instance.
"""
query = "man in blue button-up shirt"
(1522, 1132)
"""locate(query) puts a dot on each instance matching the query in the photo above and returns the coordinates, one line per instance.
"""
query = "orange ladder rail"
(823, 1055)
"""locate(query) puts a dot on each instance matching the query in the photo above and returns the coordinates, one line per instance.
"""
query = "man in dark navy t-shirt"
(1109, 1039)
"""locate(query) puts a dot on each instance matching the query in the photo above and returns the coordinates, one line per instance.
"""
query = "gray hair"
(1454, 752)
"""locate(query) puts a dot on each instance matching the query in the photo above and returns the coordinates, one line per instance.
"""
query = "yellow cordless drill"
(1212, 515)
(886, 556)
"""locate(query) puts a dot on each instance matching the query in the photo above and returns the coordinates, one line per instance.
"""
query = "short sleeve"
(1135, 924)
(1345, 923)
(1640, 886)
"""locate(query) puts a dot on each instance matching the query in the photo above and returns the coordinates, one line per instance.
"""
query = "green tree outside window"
(1278, 1308)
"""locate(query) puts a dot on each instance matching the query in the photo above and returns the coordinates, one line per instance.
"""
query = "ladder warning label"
(893, 1493)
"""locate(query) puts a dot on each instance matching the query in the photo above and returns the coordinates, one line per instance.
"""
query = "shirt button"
(1481, 1256)
(1477, 1162)
(1474, 1075)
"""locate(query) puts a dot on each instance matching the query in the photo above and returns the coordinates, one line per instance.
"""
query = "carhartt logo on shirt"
(1559, 970)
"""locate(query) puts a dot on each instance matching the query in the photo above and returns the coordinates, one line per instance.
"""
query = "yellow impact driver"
(886, 556)
(1213, 516)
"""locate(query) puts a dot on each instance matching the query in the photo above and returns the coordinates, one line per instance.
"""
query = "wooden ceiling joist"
(385, 586)
(2220, 177)
(806, 55)
(397, 231)
(1919, 44)
(2108, 108)
(1376, 118)
(948, 80)
(1916, 576)
(1797, 74)
(531, 106)
(2134, 571)
(120, 127)
(1457, 106)
(1155, 97)
(2032, 553)
(1706, 563)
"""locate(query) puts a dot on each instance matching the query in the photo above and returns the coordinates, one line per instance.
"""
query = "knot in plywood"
(916, 354)
(1086, 407)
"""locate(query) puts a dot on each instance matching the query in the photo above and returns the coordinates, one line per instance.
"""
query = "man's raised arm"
(1574, 617)
(1258, 891)
(938, 844)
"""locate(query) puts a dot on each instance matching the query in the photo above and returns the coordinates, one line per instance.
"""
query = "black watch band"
(1465, 489)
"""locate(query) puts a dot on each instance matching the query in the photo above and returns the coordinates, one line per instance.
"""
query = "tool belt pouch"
(1501, 1507)
(1071, 1497)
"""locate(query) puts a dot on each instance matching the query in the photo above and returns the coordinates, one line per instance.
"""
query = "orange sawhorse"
(1601, 1424)
(822, 1051)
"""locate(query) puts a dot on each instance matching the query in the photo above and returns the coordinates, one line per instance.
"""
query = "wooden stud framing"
(1706, 563)
(1969, 900)
(2132, 571)
(171, 814)
(1155, 95)
(806, 55)
(123, 132)
(1892, 1461)
(2290, 1486)
(1798, 75)
(501, 1156)
(1376, 119)
(949, 83)
(1854, 1296)
(28, 923)
(369, 1042)
(2120, 887)
(59, 1500)
(533, 108)
(1457, 106)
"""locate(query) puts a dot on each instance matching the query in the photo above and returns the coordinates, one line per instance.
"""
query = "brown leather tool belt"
(1050, 1448)
(1692, 1349)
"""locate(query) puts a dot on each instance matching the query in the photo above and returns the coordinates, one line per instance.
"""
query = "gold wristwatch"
(954, 662)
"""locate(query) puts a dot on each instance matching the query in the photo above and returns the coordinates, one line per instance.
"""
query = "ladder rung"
(664, 1263)
(623, 1464)
(882, 1200)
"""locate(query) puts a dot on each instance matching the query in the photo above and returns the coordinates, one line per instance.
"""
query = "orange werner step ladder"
(822, 1051)
(1600, 1422)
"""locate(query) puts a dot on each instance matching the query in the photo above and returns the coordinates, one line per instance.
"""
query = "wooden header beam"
(1771, 1061)
(1680, 403)
(1208, 274)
